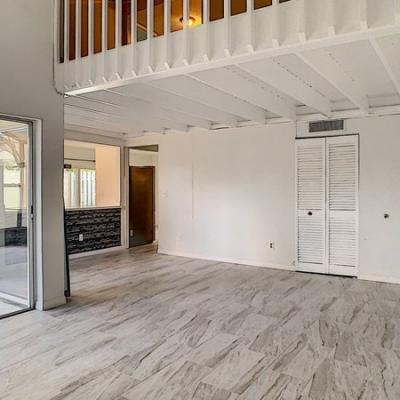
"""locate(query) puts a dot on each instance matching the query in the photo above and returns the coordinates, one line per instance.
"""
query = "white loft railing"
(102, 41)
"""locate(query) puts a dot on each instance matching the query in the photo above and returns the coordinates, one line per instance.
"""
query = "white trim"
(376, 278)
(259, 264)
(95, 252)
(43, 305)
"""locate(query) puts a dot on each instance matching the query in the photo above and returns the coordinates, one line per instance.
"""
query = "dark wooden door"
(141, 206)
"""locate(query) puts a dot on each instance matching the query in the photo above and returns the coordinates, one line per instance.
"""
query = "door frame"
(126, 180)
(154, 188)
(326, 268)
(31, 212)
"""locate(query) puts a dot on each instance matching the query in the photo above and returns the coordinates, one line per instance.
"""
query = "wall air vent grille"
(325, 126)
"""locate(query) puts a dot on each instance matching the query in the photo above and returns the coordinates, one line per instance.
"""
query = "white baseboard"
(51, 303)
(375, 278)
(258, 264)
(96, 252)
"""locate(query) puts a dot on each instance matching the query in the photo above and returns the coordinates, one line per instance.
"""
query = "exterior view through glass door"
(15, 222)
(327, 205)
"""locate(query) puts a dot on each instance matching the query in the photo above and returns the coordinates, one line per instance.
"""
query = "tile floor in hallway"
(148, 326)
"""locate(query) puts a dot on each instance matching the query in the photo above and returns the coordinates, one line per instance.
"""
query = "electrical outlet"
(131, 233)
(80, 237)
(272, 245)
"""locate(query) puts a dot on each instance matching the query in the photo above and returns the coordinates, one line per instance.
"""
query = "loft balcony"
(101, 43)
(130, 67)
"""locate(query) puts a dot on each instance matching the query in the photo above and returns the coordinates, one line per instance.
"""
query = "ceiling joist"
(325, 65)
(171, 101)
(194, 89)
(139, 115)
(235, 84)
(280, 78)
(388, 61)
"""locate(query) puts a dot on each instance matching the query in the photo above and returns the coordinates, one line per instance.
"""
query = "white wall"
(379, 194)
(226, 195)
(108, 176)
(26, 89)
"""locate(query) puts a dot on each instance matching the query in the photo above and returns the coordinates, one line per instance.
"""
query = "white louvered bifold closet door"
(310, 215)
(342, 205)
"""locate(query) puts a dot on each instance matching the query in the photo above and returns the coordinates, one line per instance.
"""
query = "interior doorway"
(16, 212)
(143, 195)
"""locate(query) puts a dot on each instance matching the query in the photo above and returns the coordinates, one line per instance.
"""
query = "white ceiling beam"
(171, 101)
(388, 63)
(95, 124)
(129, 103)
(322, 62)
(135, 116)
(276, 75)
(85, 108)
(195, 90)
(95, 135)
(236, 84)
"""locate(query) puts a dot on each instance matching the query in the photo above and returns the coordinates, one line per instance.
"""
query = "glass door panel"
(15, 271)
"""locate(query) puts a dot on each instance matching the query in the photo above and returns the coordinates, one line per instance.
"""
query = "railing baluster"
(78, 28)
(167, 30)
(227, 28)
(134, 61)
(275, 24)
(331, 17)
(186, 40)
(206, 23)
(397, 7)
(92, 75)
(250, 21)
(150, 30)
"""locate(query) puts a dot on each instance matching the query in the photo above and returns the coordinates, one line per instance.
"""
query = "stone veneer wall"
(100, 227)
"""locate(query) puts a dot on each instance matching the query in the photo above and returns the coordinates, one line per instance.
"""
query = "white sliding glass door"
(15, 217)
(327, 205)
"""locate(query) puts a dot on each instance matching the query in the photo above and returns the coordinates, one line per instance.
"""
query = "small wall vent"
(325, 126)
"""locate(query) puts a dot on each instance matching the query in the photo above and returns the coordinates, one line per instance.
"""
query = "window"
(13, 176)
(79, 188)
(91, 175)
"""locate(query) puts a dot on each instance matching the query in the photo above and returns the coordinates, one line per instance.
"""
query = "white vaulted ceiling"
(356, 78)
